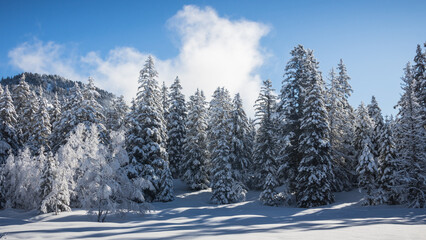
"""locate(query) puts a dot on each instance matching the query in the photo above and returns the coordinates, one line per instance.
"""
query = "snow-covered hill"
(191, 216)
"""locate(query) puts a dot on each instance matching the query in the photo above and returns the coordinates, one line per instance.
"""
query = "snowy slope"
(192, 216)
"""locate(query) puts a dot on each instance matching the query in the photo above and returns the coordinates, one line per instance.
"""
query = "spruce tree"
(9, 141)
(411, 141)
(225, 188)
(341, 128)
(367, 173)
(42, 127)
(71, 116)
(196, 159)
(264, 149)
(91, 110)
(147, 137)
(55, 111)
(375, 114)
(390, 168)
(116, 114)
(176, 119)
(290, 112)
(26, 108)
(240, 142)
(315, 175)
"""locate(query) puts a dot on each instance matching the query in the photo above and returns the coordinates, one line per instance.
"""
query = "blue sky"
(247, 40)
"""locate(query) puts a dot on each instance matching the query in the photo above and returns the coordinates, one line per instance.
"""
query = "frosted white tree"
(54, 187)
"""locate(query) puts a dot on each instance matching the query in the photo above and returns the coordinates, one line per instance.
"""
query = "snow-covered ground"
(192, 216)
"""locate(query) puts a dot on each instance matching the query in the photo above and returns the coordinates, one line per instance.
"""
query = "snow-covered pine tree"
(225, 188)
(55, 111)
(42, 127)
(176, 126)
(196, 159)
(26, 107)
(54, 187)
(289, 112)
(363, 128)
(264, 156)
(375, 114)
(419, 74)
(341, 129)
(9, 142)
(390, 168)
(315, 174)
(147, 137)
(240, 141)
(411, 141)
(367, 173)
(91, 110)
(116, 114)
(165, 100)
(70, 118)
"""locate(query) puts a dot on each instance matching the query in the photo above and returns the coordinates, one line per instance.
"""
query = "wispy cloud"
(214, 51)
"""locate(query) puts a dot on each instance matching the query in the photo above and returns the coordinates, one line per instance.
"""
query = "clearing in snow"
(191, 215)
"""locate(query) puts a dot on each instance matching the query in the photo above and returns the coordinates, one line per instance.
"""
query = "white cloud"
(214, 52)
(43, 58)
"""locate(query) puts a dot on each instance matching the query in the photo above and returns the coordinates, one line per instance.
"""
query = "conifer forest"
(71, 147)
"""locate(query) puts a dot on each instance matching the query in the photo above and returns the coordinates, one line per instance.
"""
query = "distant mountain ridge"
(52, 84)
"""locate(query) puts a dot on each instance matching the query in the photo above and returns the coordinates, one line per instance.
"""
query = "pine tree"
(70, 117)
(375, 114)
(264, 149)
(116, 114)
(419, 74)
(367, 173)
(55, 111)
(26, 108)
(42, 127)
(225, 188)
(165, 100)
(341, 129)
(390, 168)
(364, 128)
(196, 159)
(91, 110)
(315, 174)
(289, 112)
(411, 141)
(9, 142)
(54, 187)
(176, 118)
(147, 136)
(240, 141)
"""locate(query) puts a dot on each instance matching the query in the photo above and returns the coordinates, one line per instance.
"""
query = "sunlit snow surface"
(192, 216)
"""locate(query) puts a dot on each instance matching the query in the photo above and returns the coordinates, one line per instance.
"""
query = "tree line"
(307, 141)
